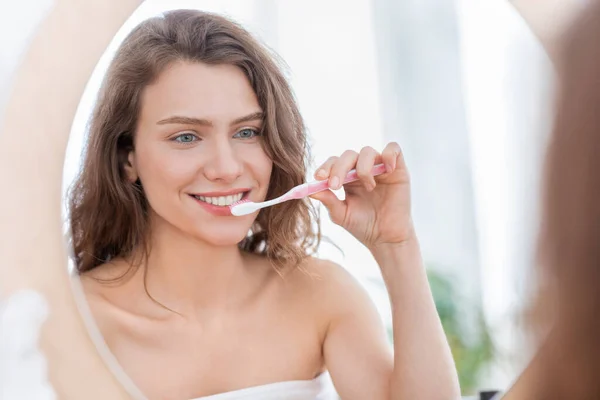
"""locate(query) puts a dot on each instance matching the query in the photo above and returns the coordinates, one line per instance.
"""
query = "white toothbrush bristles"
(244, 208)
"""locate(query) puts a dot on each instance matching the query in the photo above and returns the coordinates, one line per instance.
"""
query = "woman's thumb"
(335, 206)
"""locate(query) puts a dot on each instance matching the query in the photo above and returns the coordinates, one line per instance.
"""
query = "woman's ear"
(130, 168)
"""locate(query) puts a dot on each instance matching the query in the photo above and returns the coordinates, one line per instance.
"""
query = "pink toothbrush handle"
(319, 186)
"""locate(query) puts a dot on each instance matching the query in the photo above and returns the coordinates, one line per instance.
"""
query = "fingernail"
(334, 182)
(321, 173)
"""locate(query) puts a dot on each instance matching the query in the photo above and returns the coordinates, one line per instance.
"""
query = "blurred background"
(466, 89)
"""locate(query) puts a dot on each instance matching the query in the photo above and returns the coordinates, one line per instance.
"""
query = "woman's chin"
(222, 239)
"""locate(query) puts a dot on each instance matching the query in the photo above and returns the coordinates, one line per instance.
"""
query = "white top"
(319, 388)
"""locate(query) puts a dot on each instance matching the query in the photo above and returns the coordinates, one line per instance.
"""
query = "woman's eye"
(246, 133)
(185, 138)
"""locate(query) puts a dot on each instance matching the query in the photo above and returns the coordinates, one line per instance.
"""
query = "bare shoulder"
(321, 273)
(331, 286)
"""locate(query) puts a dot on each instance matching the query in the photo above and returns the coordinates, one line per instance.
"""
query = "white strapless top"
(319, 388)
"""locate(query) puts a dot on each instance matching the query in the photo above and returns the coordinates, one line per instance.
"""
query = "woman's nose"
(224, 164)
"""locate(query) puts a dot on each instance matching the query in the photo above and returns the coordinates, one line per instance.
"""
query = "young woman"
(193, 115)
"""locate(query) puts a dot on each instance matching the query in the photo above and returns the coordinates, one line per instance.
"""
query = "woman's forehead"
(210, 92)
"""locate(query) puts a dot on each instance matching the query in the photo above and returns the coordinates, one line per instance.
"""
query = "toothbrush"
(245, 207)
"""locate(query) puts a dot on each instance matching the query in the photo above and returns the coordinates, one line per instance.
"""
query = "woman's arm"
(423, 364)
(33, 137)
(356, 348)
(377, 212)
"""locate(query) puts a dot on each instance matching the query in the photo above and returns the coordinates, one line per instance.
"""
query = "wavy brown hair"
(109, 214)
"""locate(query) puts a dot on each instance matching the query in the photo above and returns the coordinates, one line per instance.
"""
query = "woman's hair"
(109, 214)
(570, 238)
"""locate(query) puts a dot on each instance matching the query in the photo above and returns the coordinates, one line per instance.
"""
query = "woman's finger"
(335, 206)
(391, 155)
(324, 170)
(341, 167)
(364, 165)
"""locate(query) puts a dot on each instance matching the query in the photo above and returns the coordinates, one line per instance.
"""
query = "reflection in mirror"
(429, 83)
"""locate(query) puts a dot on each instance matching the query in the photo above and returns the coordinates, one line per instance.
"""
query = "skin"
(237, 323)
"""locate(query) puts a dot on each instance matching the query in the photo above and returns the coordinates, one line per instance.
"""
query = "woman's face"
(198, 149)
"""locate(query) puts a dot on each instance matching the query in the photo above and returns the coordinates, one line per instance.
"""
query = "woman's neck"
(193, 277)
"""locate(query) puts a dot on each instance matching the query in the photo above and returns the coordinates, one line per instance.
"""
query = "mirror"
(467, 114)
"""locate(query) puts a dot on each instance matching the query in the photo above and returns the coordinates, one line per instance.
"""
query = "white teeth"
(221, 201)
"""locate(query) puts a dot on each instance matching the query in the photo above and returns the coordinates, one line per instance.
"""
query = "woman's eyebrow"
(178, 119)
(255, 116)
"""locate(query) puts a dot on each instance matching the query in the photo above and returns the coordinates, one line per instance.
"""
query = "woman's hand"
(376, 210)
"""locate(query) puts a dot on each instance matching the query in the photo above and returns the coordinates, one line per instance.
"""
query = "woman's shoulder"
(322, 274)
(331, 286)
